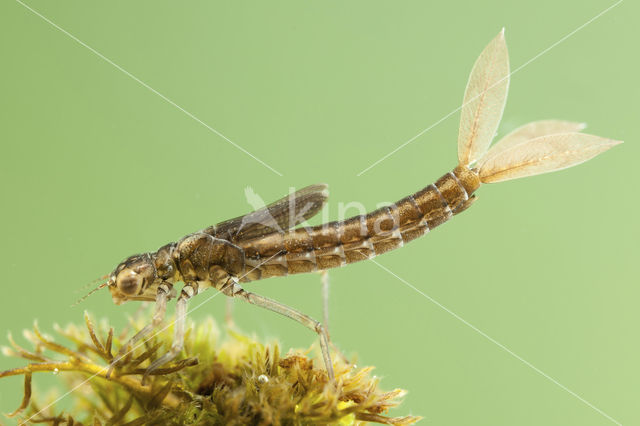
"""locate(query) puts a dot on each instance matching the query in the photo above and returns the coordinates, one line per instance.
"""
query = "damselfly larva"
(266, 244)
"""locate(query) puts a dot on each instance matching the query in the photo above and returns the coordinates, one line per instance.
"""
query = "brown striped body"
(211, 258)
(361, 237)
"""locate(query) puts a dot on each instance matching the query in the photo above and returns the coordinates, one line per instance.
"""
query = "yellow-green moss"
(234, 381)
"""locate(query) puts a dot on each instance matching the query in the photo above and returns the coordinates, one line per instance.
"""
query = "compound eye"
(129, 283)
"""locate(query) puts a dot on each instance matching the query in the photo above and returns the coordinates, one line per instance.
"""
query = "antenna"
(91, 283)
(104, 284)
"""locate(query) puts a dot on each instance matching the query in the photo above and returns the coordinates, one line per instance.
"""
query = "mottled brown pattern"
(298, 241)
(380, 222)
(329, 261)
(264, 247)
(433, 206)
(413, 232)
(452, 192)
(349, 230)
(407, 211)
(386, 245)
(301, 266)
(327, 236)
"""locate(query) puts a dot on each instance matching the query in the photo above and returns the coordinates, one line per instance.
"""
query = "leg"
(188, 291)
(324, 276)
(228, 313)
(162, 296)
(303, 319)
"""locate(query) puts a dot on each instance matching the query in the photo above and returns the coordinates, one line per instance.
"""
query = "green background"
(95, 167)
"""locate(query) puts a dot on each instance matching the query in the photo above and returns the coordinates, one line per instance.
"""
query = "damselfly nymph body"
(266, 243)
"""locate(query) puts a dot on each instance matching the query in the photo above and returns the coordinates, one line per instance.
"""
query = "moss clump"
(236, 381)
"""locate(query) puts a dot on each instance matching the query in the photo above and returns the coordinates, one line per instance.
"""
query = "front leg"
(188, 291)
(163, 294)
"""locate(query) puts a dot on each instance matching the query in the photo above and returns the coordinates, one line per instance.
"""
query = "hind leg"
(324, 277)
(236, 291)
(228, 313)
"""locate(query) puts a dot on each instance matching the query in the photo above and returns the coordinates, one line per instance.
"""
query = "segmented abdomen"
(361, 237)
